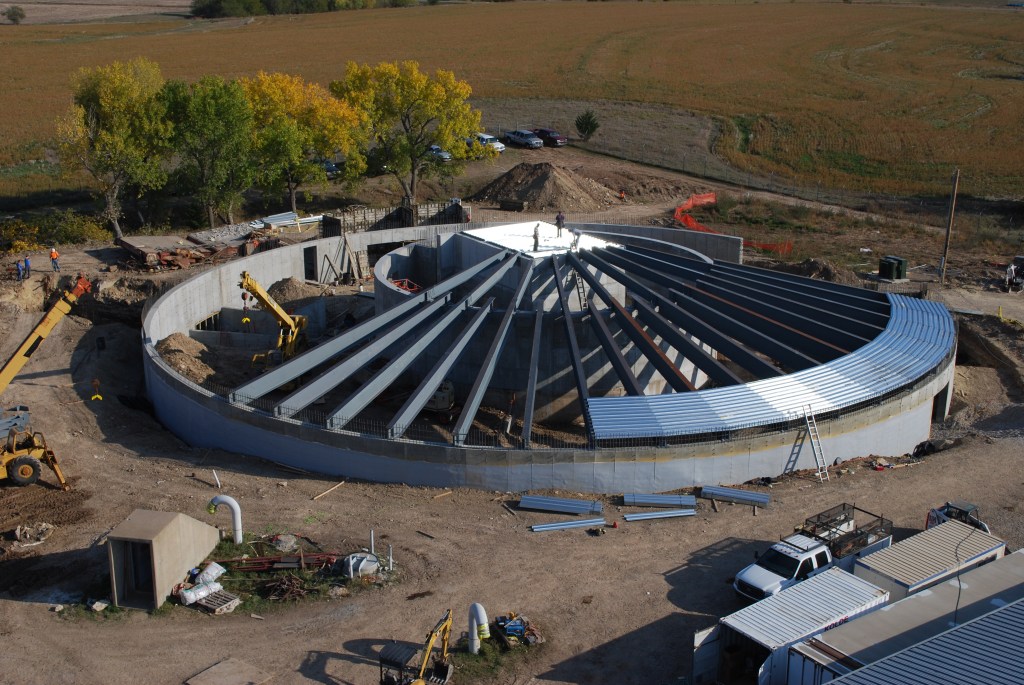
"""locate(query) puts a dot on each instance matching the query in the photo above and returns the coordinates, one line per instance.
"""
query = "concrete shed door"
(138, 563)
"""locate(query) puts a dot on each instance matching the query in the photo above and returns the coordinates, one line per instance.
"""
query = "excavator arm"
(52, 317)
(291, 326)
(437, 670)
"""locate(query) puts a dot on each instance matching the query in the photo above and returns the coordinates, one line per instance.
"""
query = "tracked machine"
(395, 658)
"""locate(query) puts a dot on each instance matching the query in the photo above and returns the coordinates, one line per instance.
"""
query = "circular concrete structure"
(604, 359)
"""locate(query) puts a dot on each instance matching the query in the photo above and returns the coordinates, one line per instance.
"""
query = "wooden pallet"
(220, 602)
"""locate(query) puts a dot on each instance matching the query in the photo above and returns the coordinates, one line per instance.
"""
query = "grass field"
(877, 97)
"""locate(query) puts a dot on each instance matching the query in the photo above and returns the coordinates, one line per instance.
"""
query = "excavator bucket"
(441, 672)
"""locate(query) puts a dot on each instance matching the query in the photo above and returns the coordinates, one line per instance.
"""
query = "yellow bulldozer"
(25, 451)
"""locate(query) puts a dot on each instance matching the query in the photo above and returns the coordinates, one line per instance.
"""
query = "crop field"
(885, 98)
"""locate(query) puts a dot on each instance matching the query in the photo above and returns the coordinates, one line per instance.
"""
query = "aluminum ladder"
(819, 455)
(581, 290)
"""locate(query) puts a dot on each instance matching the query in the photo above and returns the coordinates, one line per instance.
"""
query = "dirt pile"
(182, 353)
(813, 268)
(293, 290)
(546, 186)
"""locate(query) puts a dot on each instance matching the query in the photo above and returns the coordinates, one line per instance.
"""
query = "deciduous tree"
(298, 125)
(407, 111)
(213, 137)
(14, 14)
(117, 130)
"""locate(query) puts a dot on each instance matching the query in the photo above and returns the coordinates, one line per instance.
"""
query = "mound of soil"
(813, 268)
(291, 289)
(182, 354)
(546, 186)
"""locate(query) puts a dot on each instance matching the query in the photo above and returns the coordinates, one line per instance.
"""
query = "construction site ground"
(615, 608)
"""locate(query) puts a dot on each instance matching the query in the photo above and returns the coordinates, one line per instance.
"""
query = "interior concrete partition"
(152, 551)
(874, 369)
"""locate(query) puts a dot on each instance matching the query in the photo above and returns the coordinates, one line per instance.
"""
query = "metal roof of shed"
(805, 608)
(931, 553)
(923, 615)
(985, 651)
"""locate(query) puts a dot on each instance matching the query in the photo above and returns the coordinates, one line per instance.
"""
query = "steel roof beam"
(791, 314)
(660, 265)
(692, 324)
(788, 356)
(866, 322)
(340, 372)
(686, 262)
(483, 377)
(429, 385)
(668, 370)
(629, 381)
(856, 297)
(714, 369)
(811, 345)
(309, 360)
(347, 410)
(574, 350)
(531, 380)
(647, 271)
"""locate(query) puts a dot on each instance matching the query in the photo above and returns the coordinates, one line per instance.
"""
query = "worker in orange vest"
(54, 256)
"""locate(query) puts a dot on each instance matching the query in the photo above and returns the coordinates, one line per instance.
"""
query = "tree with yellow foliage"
(406, 112)
(117, 130)
(297, 126)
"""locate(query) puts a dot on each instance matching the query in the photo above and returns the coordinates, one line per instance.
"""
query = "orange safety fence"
(705, 199)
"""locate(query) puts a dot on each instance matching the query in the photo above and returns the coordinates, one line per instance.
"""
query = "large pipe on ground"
(479, 629)
(236, 514)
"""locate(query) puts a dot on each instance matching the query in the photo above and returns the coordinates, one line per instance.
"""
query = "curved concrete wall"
(893, 426)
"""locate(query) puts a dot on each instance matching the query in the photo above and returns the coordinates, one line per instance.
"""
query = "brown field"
(885, 98)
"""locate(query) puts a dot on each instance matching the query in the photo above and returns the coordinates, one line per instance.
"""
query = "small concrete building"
(151, 551)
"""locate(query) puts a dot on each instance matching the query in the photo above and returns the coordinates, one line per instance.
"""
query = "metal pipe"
(236, 514)
(372, 548)
(541, 527)
(479, 628)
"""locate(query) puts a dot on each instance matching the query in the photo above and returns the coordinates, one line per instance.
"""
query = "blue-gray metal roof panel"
(983, 651)
(918, 337)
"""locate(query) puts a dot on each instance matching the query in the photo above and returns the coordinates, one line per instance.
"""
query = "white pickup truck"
(836, 537)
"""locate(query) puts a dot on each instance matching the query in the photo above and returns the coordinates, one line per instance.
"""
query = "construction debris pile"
(515, 629)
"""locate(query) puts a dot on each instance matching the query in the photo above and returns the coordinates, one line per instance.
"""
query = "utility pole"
(949, 226)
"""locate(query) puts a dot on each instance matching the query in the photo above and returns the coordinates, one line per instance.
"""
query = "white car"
(485, 139)
(440, 155)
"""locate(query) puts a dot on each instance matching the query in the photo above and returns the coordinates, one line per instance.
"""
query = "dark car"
(551, 137)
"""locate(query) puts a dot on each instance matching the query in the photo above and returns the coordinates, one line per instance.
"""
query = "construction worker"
(28, 268)
(559, 222)
(54, 256)
(21, 270)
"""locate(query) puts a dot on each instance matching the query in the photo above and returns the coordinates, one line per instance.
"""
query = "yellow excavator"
(395, 658)
(25, 451)
(291, 338)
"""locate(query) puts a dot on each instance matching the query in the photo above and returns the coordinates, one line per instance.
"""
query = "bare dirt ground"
(58, 12)
(617, 608)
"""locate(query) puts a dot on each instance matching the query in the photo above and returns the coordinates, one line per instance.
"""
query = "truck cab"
(785, 564)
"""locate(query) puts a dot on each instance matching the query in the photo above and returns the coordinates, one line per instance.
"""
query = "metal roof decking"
(985, 650)
(642, 500)
(919, 336)
(560, 504)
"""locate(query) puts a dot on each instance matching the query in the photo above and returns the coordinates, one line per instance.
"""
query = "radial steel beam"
(792, 336)
(676, 271)
(714, 369)
(426, 389)
(856, 297)
(669, 371)
(340, 372)
(734, 350)
(574, 350)
(790, 357)
(483, 377)
(531, 380)
(625, 373)
(790, 314)
(369, 391)
(309, 360)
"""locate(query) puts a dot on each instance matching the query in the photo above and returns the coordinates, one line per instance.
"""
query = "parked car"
(524, 138)
(551, 137)
(330, 168)
(440, 155)
(488, 140)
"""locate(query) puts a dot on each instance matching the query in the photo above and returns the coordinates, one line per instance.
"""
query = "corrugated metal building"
(907, 622)
(755, 640)
(985, 651)
(928, 558)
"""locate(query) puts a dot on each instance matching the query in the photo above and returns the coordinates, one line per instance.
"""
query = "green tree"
(406, 112)
(298, 125)
(587, 125)
(213, 137)
(117, 130)
(14, 14)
